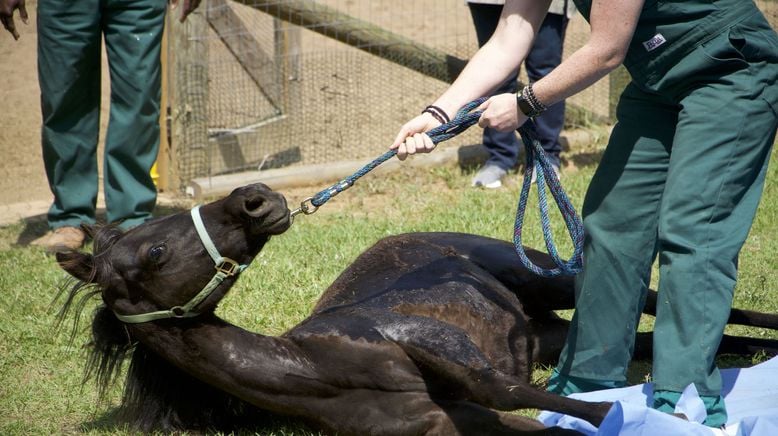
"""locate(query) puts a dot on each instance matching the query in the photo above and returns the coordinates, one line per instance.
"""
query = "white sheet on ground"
(750, 394)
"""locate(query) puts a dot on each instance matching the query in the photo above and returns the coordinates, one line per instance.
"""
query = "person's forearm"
(613, 23)
(581, 70)
(500, 57)
(485, 72)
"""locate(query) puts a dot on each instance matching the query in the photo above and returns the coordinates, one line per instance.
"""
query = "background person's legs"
(503, 147)
(546, 54)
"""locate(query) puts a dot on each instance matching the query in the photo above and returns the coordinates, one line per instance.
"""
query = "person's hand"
(187, 8)
(501, 113)
(412, 139)
(7, 8)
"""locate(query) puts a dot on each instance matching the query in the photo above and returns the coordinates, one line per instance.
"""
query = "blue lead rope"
(535, 158)
(465, 118)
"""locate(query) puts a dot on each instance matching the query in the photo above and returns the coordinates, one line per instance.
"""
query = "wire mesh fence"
(296, 82)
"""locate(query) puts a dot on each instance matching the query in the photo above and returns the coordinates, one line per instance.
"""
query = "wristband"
(528, 104)
(438, 113)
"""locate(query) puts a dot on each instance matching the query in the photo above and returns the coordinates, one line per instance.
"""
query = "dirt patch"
(22, 178)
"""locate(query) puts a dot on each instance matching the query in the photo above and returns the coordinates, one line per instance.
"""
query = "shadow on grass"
(34, 227)
(107, 422)
(583, 159)
(471, 157)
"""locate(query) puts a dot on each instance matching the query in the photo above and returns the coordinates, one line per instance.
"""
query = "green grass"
(41, 371)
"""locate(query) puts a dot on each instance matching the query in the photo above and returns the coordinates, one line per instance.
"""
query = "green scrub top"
(668, 30)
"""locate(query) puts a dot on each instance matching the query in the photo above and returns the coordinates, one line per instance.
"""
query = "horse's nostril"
(254, 204)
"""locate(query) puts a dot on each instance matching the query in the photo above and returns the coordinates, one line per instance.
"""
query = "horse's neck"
(250, 366)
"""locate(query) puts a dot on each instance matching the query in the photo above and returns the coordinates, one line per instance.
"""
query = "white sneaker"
(557, 171)
(489, 176)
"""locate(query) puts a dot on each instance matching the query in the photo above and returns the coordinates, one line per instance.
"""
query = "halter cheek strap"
(225, 267)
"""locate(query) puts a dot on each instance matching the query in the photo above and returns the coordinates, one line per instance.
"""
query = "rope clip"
(306, 207)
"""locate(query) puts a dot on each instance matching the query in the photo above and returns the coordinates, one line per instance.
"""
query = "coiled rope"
(535, 159)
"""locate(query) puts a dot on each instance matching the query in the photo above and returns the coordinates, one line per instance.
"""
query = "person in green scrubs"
(680, 179)
(70, 38)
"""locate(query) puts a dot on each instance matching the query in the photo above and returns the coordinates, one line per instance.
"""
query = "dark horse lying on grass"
(427, 333)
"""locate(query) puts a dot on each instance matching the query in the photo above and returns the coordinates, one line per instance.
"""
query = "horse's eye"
(156, 252)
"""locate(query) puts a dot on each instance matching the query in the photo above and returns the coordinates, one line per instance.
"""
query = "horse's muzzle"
(266, 209)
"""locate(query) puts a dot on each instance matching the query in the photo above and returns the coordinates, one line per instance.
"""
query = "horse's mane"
(157, 395)
(111, 342)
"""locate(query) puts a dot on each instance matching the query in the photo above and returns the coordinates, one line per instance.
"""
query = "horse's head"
(167, 263)
(165, 266)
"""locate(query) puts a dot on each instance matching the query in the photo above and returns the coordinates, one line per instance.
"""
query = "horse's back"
(412, 268)
(436, 267)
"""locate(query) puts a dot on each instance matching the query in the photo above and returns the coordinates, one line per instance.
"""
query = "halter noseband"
(225, 267)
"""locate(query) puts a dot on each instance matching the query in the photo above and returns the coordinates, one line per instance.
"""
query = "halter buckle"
(228, 267)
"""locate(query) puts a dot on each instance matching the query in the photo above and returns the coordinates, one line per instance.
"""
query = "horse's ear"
(77, 264)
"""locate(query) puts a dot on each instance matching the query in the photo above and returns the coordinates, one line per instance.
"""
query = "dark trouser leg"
(69, 76)
(133, 32)
(546, 54)
(620, 212)
(503, 147)
(720, 154)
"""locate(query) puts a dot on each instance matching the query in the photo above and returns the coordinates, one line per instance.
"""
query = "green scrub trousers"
(70, 35)
(681, 179)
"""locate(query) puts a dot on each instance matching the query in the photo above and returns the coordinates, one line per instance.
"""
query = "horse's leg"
(448, 354)
(547, 336)
(744, 317)
(746, 346)
(401, 413)
(539, 294)
(738, 345)
(467, 418)
(753, 319)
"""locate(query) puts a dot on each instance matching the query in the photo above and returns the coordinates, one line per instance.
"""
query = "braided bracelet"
(438, 113)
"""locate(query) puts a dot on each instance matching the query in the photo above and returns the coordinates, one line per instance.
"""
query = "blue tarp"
(751, 396)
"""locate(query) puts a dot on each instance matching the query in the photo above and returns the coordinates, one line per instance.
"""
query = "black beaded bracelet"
(537, 106)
